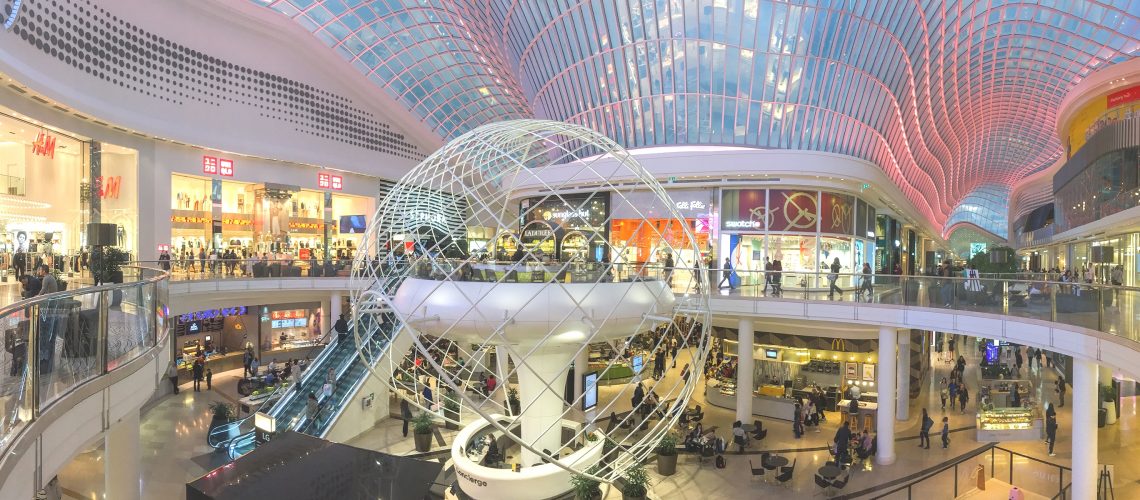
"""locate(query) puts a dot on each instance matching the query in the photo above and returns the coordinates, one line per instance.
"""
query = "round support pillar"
(884, 420)
(744, 370)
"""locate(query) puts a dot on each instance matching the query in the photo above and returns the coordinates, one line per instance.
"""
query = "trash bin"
(1102, 415)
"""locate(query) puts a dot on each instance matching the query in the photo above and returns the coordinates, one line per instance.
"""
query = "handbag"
(832, 277)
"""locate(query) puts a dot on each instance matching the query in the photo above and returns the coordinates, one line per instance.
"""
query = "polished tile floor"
(174, 450)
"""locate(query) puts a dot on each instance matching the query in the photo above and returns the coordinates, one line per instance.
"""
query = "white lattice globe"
(499, 243)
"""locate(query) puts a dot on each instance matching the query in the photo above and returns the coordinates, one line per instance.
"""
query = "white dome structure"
(499, 245)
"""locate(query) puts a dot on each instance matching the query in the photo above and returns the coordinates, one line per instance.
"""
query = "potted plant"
(636, 483)
(513, 400)
(667, 455)
(451, 412)
(59, 279)
(1108, 396)
(223, 414)
(584, 487)
(422, 426)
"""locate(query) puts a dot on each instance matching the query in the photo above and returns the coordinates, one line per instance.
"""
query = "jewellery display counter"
(1009, 424)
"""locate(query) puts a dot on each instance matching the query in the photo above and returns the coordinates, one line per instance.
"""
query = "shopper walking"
(726, 275)
(953, 391)
(963, 397)
(924, 434)
(832, 277)
(209, 379)
(405, 414)
(945, 432)
(1061, 391)
(341, 327)
(867, 285)
(1051, 432)
(944, 392)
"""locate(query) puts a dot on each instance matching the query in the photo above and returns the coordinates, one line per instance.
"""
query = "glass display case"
(1009, 424)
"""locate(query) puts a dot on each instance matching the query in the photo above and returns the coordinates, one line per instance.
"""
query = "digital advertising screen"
(353, 224)
(637, 364)
(589, 391)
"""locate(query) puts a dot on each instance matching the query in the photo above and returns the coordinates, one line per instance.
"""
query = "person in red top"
(491, 383)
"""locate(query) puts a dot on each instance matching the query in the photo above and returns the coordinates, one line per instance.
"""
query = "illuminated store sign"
(212, 313)
(109, 187)
(305, 225)
(1125, 96)
(188, 219)
(217, 166)
(291, 314)
(14, 14)
(44, 145)
(691, 205)
(329, 181)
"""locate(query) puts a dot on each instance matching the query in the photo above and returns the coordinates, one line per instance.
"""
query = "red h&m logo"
(209, 165)
(226, 167)
(109, 186)
(44, 145)
(323, 181)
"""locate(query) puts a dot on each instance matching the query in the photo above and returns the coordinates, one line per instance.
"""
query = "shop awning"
(301, 467)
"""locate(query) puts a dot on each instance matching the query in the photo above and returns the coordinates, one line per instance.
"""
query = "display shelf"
(1009, 424)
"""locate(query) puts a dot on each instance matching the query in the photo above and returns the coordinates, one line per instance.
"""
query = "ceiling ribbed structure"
(946, 97)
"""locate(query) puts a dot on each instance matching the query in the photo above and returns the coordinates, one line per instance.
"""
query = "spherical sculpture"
(494, 258)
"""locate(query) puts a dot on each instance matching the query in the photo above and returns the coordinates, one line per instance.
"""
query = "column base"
(885, 460)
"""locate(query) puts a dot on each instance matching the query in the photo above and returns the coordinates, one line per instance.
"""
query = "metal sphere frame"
(477, 181)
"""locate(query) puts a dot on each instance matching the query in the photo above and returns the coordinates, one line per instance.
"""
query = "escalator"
(347, 373)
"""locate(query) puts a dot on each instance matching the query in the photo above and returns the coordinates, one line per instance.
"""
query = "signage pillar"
(328, 223)
(884, 421)
(122, 458)
(744, 368)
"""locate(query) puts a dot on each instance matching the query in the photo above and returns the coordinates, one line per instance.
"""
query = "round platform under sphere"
(528, 251)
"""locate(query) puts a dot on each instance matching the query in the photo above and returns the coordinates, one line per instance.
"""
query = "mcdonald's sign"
(839, 345)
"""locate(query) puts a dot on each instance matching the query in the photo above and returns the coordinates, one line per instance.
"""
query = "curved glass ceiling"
(944, 96)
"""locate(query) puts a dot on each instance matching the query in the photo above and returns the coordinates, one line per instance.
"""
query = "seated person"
(867, 447)
(739, 437)
(493, 456)
(652, 404)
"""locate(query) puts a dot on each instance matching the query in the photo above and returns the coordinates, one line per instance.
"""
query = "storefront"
(565, 228)
(644, 233)
(805, 230)
(46, 198)
(290, 326)
(281, 221)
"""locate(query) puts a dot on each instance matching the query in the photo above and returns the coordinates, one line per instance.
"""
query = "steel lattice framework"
(944, 96)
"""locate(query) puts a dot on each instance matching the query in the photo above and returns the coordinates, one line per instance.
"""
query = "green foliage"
(981, 260)
(636, 482)
(1108, 392)
(513, 396)
(222, 411)
(106, 262)
(423, 423)
(451, 404)
(667, 445)
(584, 487)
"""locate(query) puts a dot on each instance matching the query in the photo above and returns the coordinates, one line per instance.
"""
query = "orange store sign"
(294, 314)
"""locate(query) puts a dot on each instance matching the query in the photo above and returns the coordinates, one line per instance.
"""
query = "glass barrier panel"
(68, 333)
(1038, 477)
(128, 324)
(162, 311)
(15, 405)
(1081, 304)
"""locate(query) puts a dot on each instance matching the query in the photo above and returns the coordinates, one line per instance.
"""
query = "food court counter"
(764, 406)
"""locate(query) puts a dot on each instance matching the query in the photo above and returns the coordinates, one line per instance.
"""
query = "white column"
(501, 368)
(744, 367)
(581, 367)
(542, 381)
(884, 421)
(122, 458)
(902, 409)
(1084, 431)
(334, 303)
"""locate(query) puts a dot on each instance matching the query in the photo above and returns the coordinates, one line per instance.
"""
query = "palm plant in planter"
(422, 426)
(636, 483)
(107, 264)
(222, 412)
(451, 411)
(585, 488)
(513, 400)
(667, 455)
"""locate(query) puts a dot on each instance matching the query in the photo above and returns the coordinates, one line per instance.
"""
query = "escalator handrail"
(307, 373)
(304, 424)
(302, 421)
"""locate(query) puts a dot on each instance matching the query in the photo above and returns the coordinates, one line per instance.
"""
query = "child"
(945, 432)
(209, 378)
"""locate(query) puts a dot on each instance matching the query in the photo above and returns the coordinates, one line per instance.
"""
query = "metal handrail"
(990, 447)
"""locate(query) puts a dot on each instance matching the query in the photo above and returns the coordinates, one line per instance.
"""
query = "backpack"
(720, 463)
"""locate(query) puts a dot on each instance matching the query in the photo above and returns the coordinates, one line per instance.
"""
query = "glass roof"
(944, 96)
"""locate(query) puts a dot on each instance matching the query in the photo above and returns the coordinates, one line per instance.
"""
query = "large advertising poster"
(837, 213)
(792, 210)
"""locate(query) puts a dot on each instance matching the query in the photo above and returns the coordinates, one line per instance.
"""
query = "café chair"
(756, 471)
(841, 481)
(785, 476)
(823, 482)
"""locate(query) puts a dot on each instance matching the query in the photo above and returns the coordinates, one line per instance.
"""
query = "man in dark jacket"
(842, 437)
(405, 414)
(924, 435)
(341, 328)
